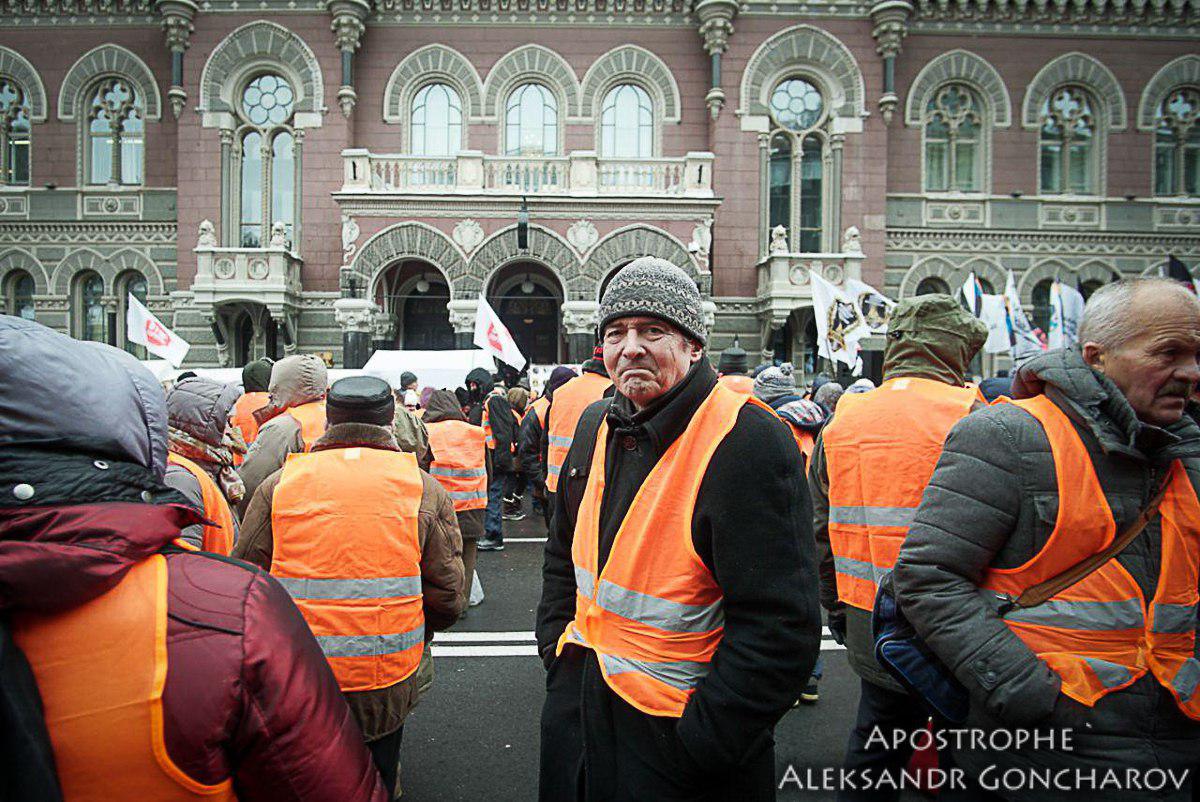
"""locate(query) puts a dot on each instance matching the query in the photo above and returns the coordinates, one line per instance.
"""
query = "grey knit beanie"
(655, 287)
(775, 383)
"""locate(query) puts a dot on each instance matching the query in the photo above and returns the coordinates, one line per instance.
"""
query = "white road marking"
(524, 540)
(514, 644)
(482, 637)
(525, 650)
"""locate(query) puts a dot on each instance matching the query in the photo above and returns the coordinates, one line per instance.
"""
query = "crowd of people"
(229, 591)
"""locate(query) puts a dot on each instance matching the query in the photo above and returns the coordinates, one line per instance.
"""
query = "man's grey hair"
(1108, 318)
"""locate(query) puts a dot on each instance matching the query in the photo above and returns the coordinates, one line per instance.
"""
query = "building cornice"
(545, 207)
(1002, 242)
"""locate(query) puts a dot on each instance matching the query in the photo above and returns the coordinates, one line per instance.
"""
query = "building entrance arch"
(250, 332)
(413, 295)
(528, 298)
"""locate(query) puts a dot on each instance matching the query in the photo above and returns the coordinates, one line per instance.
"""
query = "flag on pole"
(144, 328)
(874, 307)
(990, 311)
(1020, 334)
(839, 323)
(1179, 271)
(493, 336)
(1066, 309)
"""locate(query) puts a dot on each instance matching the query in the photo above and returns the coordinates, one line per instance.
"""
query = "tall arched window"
(14, 134)
(436, 121)
(1177, 143)
(131, 283)
(91, 319)
(19, 292)
(627, 123)
(953, 141)
(531, 122)
(268, 163)
(115, 134)
(796, 164)
(1067, 143)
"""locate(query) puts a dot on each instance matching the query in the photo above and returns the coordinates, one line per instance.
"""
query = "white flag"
(990, 311)
(1020, 334)
(144, 328)
(1066, 309)
(839, 323)
(493, 336)
(873, 306)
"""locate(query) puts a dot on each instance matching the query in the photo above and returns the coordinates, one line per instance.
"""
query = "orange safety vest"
(654, 615)
(1099, 635)
(311, 417)
(738, 383)
(570, 400)
(243, 414)
(459, 462)
(804, 440)
(881, 448)
(100, 669)
(218, 536)
(538, 408)
(347, 549)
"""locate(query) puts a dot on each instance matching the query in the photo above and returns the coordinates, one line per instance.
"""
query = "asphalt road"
(474, 736)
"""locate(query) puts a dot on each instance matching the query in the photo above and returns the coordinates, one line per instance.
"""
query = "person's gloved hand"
(837, 626)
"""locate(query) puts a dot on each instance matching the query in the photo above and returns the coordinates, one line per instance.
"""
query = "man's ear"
(1093, 355)
(697, 350)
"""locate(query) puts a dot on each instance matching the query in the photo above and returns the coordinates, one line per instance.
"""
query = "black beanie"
(256, 376)
(407, 378)
(360, 399)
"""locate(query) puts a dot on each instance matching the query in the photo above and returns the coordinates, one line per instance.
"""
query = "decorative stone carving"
(890, 19)
(579, 317)
(582, 235)
(833, 271)
(224, 268)
(715, 101)
(701, 244)
(279, 235)
(383, 327)
(347, 98)
(779, 243)
(207, 236)
(355, 314)
(716, 23)
(468, 235)
(350, 232)
(852, 241)
(798, 275)
(258, 269)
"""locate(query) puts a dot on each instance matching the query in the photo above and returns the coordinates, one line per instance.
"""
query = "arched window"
(953, 141)
(931, 285)
(268, 162)
(131, 283)
(1177, 143)
(627, 123)
(1088, 287)
(14, 134)
(1067, 143)
(796, 164)
(436, 121)
(91, 319)
(19, 292)
(115, 134)
(531, 122)
(1041, 304)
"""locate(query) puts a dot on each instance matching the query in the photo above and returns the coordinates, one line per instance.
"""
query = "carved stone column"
(462, 318)
(177, 17)
(716, 26)
(579, 324)
(356, 317)
(890, 20)
(348, 28)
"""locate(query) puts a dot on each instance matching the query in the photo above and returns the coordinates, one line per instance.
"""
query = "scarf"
(217, 461)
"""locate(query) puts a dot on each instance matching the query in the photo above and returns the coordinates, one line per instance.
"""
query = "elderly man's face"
(1159, 367)
(646, 357)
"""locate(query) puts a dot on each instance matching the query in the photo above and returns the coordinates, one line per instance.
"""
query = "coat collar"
(665, 419)
(350, 435)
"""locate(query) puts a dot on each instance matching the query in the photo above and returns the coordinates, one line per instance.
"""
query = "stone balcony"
(269, 276)
(578, 174)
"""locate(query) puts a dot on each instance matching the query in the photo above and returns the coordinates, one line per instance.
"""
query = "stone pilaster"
(716, 26)
(177, 19)
(348, 27)
(356, 318)
(889, 19)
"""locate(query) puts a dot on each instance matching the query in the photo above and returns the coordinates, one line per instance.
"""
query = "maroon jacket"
(248, 691)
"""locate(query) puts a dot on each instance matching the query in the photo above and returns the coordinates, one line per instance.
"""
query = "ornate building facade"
(334, 176)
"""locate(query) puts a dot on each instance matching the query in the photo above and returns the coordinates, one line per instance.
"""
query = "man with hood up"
(101, 602)
(869, 467)
(256, 379)
(290, 423)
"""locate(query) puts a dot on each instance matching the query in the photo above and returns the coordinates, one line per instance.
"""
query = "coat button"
(629, 442)
(23, 492)
(101, 464)
(147, 496)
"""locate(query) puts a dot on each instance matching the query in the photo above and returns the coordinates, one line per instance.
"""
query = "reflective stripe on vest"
(243, 414)
(1099, 635)
(567, 407)
(218, 536)
(100, 669)
(881, 448)
(654, 615)
(459, 462)
(347, 549)
(311, 417)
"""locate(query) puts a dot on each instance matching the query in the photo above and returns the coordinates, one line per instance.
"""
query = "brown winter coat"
(443, 585)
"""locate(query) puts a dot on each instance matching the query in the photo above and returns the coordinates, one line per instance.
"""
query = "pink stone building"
(334, 176)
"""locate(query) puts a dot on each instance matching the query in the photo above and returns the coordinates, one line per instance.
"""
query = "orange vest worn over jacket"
(311, 417)
(1100, 635)
(738, 383)
(347, 549)
(243, 414)
(881, 448)
(218, 537)
(654, 614)
(459, 462)
(570, 400)
(538, 408)
(100, 669)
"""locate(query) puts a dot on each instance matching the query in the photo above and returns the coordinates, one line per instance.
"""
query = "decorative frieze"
(1178, 217)
(955, 213)
(1070, 215)
(1110, 12)
(112, 205)
(14, 206)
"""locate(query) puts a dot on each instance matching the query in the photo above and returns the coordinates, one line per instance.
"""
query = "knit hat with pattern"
(655, 287)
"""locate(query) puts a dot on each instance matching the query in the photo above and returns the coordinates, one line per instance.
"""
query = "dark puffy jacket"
(201, 407)
(483, 386)
(504, 432)
(992, 502)
(248, 692)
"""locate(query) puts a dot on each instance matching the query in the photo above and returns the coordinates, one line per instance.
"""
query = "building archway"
(528, 299)
(414, 294)
(250, 332)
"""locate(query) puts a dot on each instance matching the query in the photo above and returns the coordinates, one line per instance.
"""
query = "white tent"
(440, 369)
